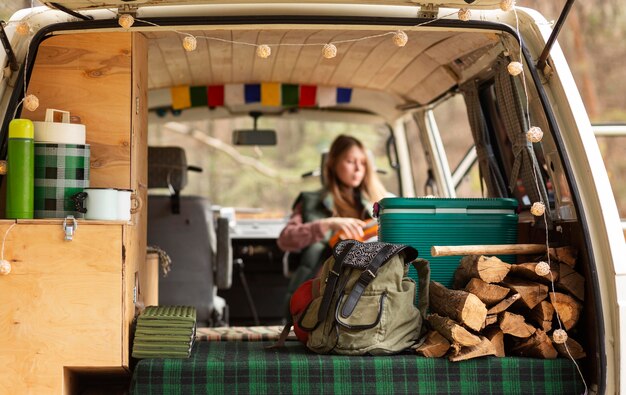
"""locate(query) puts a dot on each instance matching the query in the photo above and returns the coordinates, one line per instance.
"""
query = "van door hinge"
(7, 48)
(428, 11)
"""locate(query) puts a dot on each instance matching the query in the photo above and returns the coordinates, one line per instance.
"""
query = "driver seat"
(198, 245)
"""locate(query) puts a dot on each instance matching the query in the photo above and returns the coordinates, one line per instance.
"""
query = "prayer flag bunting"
(326, 96)
(270, 94)
(233, 94)
(344, 95)
(289, 95)
(180, 97)
(198, 96)
(308, 95)
(215, 95)
(252, 93)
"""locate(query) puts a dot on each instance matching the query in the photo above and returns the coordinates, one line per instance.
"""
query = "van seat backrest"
(188, 236)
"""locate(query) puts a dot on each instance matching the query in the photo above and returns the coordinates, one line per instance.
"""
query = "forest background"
(594, 42)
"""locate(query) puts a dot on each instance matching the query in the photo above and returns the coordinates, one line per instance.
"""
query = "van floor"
(250, 367)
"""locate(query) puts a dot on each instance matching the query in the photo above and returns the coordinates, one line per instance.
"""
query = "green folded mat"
(164, 331)
(169, 313)
(143, 337)
(163, 324)
(160, 354)
(161, 347)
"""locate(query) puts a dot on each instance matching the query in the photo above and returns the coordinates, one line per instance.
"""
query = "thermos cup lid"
(21, 128)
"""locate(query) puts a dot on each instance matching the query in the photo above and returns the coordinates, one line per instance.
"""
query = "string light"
(559, 336)
(190, 43)
(515, 68)
(465, 14)
(537, 209)
(534, 134)
(23, 28)
(507, 5)
(400, 38)
(329, 51)
(542, 268)
(31, 102)
(263, 51)
(126, 21)
(3, 167)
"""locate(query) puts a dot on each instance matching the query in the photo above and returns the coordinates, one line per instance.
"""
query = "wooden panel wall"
(58, 309)
(136, 233)
(90, 76)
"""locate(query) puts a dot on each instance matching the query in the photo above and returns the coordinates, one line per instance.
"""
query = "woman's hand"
(351, 227)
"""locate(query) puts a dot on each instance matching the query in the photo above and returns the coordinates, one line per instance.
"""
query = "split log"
(565, 255)
(489, 269)
(514, 324)
(460, 306)
(490, 319)
(531, 293)
(538, 345)
(527, 271)
(575, 349)
(571, 281)
(485, 347)
(503, 305)
(542, 315)
(434, 345)
(567, 308)
(452, 331)
(489, 294)
(488, 249)
(496, 337)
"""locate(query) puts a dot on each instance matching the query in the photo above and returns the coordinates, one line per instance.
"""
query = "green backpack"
(366, 300)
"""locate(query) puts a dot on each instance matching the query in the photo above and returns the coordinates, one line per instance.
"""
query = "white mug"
(125, 206)
(97, 203)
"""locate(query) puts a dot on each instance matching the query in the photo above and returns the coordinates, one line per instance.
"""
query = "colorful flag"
(344, 95)
(270, 94)
(252, 93)
(233, 95)
(326, 96)
(308, 95)
(198, 96)
(289, 93)
(180, 97)
(215, 95)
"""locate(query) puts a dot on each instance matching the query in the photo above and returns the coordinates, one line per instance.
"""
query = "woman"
(351, 187)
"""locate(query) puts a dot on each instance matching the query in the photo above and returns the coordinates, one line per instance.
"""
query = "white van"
(216, 114)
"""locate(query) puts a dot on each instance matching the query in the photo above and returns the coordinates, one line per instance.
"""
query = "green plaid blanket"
(250, 368)
(61, 170)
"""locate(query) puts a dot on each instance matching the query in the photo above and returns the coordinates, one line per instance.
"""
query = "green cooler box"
(425, 222)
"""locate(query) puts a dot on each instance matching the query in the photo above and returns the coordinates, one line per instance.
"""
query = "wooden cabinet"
(61, 305)
(67, 306)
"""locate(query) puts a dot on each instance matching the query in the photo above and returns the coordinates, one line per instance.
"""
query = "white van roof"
(90, 4)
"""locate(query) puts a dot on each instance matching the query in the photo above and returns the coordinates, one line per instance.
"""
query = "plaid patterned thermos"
(20, 169)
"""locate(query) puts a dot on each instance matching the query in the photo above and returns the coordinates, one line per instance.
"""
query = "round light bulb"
(23, 28)
(542, 268)
(329, 51)
(538, 209)
(507, 5)
(465, 14)
(534, 134)
(263, 51)
(559, 336)
(400, 38)
(31, 102)
(190, 43)
(3, 167)
(126, 21)
(515, 68)
(5, 267)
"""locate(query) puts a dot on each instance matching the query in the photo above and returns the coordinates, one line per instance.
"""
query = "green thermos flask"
(20, 169)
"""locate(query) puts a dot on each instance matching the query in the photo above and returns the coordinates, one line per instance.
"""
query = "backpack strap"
(366, 277)
(423, 274)
(331, 281)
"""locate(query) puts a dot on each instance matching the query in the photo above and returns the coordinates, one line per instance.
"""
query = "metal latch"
(428, 11)
(129, 9)
(69, 227)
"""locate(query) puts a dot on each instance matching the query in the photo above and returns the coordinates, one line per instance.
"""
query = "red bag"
(300, 299)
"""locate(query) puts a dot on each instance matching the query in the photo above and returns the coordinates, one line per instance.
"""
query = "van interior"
(218, 141)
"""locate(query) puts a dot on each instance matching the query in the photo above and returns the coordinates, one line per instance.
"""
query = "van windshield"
(263, 181)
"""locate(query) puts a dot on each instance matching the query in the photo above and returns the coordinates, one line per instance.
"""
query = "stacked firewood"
(500, 309)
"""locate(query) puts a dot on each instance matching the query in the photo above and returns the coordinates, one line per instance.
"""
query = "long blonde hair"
(343, 197)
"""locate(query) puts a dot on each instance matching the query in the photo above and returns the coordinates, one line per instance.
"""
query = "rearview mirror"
(254, 137)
